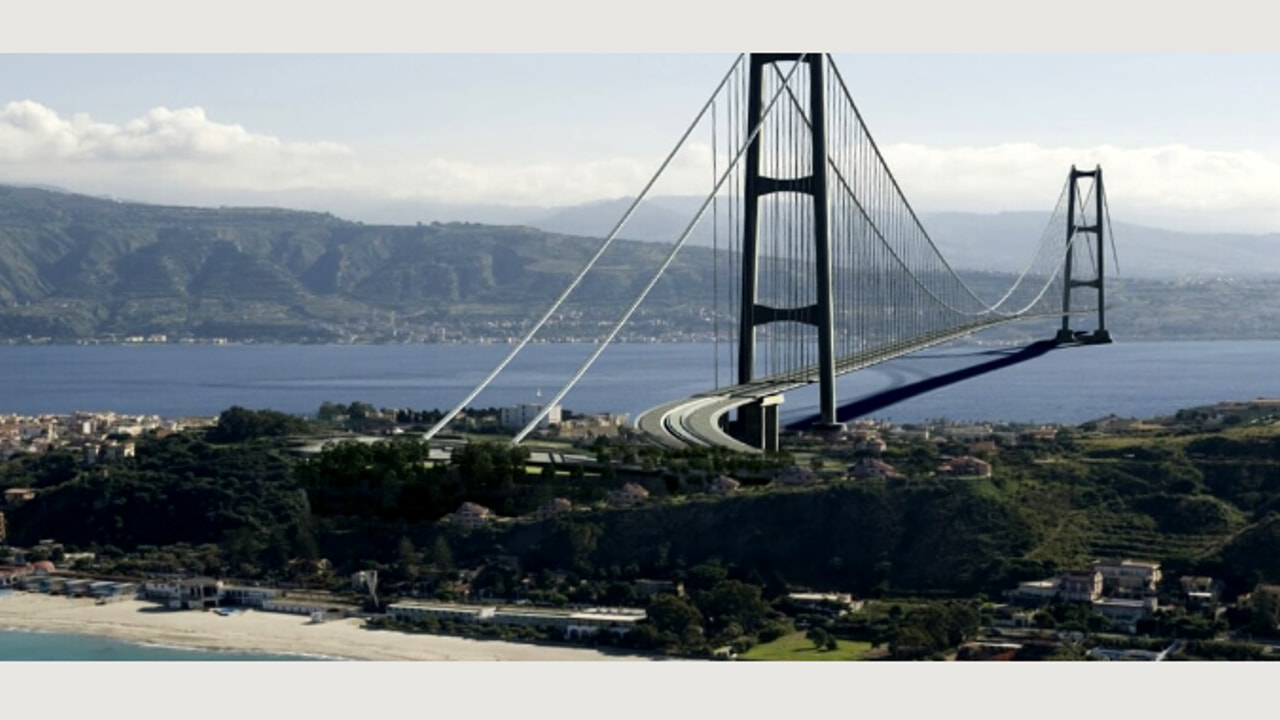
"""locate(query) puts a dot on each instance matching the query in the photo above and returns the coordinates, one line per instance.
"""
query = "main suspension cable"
(586, 365)
(444, 421)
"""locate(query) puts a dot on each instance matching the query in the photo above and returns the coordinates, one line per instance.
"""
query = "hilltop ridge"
(75, 268)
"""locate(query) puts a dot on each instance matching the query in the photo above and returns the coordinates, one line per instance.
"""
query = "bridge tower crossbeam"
(757, 423)
(1066, 334)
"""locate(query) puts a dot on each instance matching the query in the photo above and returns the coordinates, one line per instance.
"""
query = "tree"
(734, 602)
(441, 555)
(705, 576)
(408, 559)
(672, 614)
(620, 594)
(911, 642)
(237, 424)
(1266, 611)
(818, 636)
(304, 543)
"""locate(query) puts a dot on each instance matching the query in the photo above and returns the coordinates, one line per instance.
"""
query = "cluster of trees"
(331, 411)
(405, 416)
(398, 480)
(931, 628)
(920, 630)
(178, 489)
(718, 611)
(237, 425)
(691, 461)
(868, 537)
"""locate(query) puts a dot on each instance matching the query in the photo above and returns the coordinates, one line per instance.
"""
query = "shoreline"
(254, 631)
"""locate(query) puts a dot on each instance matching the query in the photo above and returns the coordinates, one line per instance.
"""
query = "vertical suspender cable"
(715, 259)
(444, 421)
(586, 365)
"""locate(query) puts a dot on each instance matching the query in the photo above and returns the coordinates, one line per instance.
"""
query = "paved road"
(695, 421)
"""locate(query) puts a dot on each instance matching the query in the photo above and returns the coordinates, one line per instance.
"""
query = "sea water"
(25, 645)
(1072, 385)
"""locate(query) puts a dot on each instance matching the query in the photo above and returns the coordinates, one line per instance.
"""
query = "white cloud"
(30, 131)
(1233, 190)
(180, 155)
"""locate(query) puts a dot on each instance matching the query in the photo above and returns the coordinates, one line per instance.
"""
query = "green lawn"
(797, 647)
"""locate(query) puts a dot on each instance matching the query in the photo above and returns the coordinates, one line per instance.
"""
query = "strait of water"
(1069, 385)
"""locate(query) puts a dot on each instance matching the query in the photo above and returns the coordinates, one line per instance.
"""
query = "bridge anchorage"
(831, 270)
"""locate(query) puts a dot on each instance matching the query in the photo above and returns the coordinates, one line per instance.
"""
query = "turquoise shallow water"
(22, 645)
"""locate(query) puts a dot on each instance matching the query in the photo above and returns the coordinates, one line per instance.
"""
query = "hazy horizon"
(1185, 140)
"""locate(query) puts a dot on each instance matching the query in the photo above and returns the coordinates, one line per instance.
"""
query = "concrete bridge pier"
(757, 423)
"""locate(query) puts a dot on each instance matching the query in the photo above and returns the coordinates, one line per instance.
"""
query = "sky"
(1187, 141)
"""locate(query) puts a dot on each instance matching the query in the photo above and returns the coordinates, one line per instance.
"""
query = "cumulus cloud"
(31, 131)
(179, 155)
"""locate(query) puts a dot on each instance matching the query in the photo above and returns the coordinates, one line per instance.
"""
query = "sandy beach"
(256, 631)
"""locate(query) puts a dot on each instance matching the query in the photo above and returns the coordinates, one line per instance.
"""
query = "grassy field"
(797, 647)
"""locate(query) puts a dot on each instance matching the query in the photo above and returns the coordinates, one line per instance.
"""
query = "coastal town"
(1110, 606)
(1124, 604)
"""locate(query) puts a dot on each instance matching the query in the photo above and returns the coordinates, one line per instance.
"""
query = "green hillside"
(76, 267)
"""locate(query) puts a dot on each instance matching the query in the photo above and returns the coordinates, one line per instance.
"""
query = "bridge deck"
(698, 420)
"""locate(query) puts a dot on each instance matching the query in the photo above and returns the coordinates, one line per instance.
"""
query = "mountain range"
(997, 242)
(74, 267)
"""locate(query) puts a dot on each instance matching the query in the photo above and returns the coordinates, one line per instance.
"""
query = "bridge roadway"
(697, 420)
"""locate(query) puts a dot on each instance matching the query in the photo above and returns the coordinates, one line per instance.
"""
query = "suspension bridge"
(828, 268)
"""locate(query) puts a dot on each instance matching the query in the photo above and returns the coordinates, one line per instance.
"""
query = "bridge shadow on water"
(872, 403)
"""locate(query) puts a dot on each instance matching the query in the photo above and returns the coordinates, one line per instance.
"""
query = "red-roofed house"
(796, 476)
(722, 485)
(553, 507)
(867, 468)
(967, 466)
(629, 494)
(469, 515)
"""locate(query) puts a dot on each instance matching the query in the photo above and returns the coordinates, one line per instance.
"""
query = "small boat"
(317, 617)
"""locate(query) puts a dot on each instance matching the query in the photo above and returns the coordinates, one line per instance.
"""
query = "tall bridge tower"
(1066, 334)
(757, 423)
(837, 273)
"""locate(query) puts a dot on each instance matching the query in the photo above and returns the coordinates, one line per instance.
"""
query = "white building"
(1125, 613)
(416, 612)
(518, 416)
(1130, 576)
(248, 596)
(574, 624)
(1085, 586)
(1035, 592)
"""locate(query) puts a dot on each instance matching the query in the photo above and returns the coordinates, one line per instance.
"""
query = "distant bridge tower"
(757, 423)
(1066, 334)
